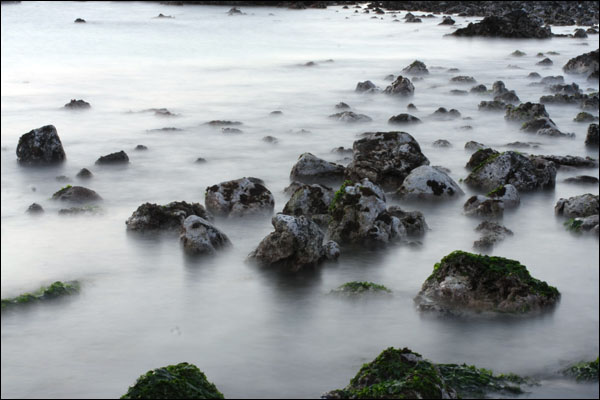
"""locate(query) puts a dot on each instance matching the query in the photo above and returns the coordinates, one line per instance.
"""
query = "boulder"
(545, 61)
(584, 64)
(492, 233)
(309, 200)
(80, 21)
(77, 105)
(310, 169)
(404, 119)
(360, 289)
(515, 24)
(485, 207)
(84, 173)
(481, 155)
(350, 116)
(413, 221)
(35, 208)
(473, 145)
(447, 21)
(464, 282)
(198, 236)
(400, 87)
(442, 143)
(478, 89)
(582, 206)
(366, 86)
(525, 112)
(463, 79)
(508, 194)
(342, 106)
(385, 158)
(76, 194)
(495, 105)
(524, 173)
(114, 158)
(583, 179)
(427, 182)
(154, 217)
(416, 68)
(40, 146)
(571, 161)
(591, 138)
(585, 117)
(296, 243)
(444, 115)
(239, 197)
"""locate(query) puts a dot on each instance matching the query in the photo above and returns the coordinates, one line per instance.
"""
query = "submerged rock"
(360, 289)
(545, 61)
(239, 197)
(76, 194)
(571, 161)
(464, 282)
(482, 206)
(40, 146)
(153, 217)
(342, 106)
(427, 182)
(492, 233)
(585, 117)
(515, 24)
(400, 87)
(525, 112)
(583, 179)
(584, 64)
(413, 221)
(583, 224)
(310, 169)
(114, 158)
(366, 87)
(77, 105)
(583, 371)
(297, 243)
(584, 205)
(350, 116)
(495, 105)
(445, 115)
(54, 291)
(508, 194)
(463, 79)
(199, 236)
(447, 21)
(181, 381)
(404, 119)
(473, 145)
(385, 158)
(84, 173)
(442, 143)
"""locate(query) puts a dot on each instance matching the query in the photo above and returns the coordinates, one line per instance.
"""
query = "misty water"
(259, 332)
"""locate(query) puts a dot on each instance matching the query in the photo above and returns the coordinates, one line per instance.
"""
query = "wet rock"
(571, 89)
(525, 173)
(508, 97)
(495, 105)
(234, 131)
(198, 236)
(581, 206)
(404, 119)
(410, 18)
(580, 224)
(76, 194)
(571, 161)
(413, 221)
(385, 158)
(140, 147)
(426, 182)
(342, 151)
(580, 34)
(296, 243)
(240, 197)
(358, 215)
(84, 173)
(508, 194)
(56, 290)
(447, 21)
(153, 217)
(342, 106)
(114, 158)
(35, 208)
(585, 117)
(219, 122)
(464, 282)
(492, 233)
(40, 146)
(584, 64)
(515, 24)
(62, 178)
(482, 206)
(525, 112)
(523, 145)
(582, 179)
(349, 116)
(77, 105)
(411, 107)
(416, 68)
(480, 156)
(545, 61)
(309, 200)
(463, 79)
(478, 89)
(442, 143)
(591, 138)
(445, 115)
(400, 87)
(80, 21)
(472, 145)
(310, 169)
(544, 127)
(361, 289)
(366, 86)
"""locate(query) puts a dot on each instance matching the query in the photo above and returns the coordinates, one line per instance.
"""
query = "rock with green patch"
(198, 236)
(427, 182)
(524, 173)
(584, 205)
(359, 216)
(525, 112)
(239, 197)
(154, 217)
(76, 194)
(480, 156)
(54, 291)
(356, 288)
(583, 225)
(465, 282)
(495, 105)
(583, 371)
(485, 207)
(404, 119)
(508, 194)
(181, 381)
(310, 169)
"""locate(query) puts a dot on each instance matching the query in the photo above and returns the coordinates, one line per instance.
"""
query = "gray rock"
(413, 221)
(578, 206)
(77, 105)
(310, 169)
(199, 236)
(481, 155)
(400, 87)
(309, 200)
(495, 105)
(350, 116)
(582, 179)
(485, 207)
(114, 158)
(545, 61)
(84, 173)
(76, 194)
(478, 89)
(240, 197)
(416, 68)
(404, 119)
(525, 112)
(584, 64)
(442, 143)
(40, 146)
(342, 106)
(508, 194)
(463, 79)
(35, 208)
(366, 87)
(426, 182)
(472, 145)
(492, 233)
(153, 217)
(444, 115)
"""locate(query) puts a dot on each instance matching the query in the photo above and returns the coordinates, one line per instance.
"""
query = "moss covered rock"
(464, 282)
(583, 371)
(358, 288)
(56, 290)
(181, 381)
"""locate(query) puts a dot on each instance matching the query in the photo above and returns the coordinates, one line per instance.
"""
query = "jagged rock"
(515, 24)
(464, 282)
(492, 233)
(584, 64)
(366, 86)
(309, 200)
(525, 112)
(76, 194)
(447, 21)
(342, 106)
(545, 61)
(571, 161)
(495, 105)
(77, 105)
(310, 169)
(416, 68)
(581, 206)
(114, 158)
(40, 146)
(480, 156)
(413, 221)
(297, 243)
(240, 197)
(570, 89)
(404, 119)
(154, 217)
(199, 236)
(445, 115)
(426, 182)
(80, 21)
(349, 116)
(525, 173)
(508, 97)
(482, 206)
(385, 158)
(400, 87)
(553, 80)
(592, 137)
(508, 194)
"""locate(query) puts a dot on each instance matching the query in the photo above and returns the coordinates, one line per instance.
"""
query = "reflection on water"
(258, 332)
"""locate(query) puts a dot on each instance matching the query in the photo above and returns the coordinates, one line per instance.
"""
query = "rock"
(40, 146)
(518, 53)
(389, 77)
(515, 24)
(545, 61)
(360, 289)
(571, 161)
(342, 151)
(492, 233)
(400, 87)
(309, 200)
(469, 282)
(447, 21)
(580, 224)
(478, 89)
(456, 92)
(234, 11)
(463, 79)
(580, 34)
(442, 143)
(413, 221)
(416, 68)
(140, 147)
(114, 158)
(404, 119)
(525, 173)
(56, 290)
(426, 182)
(581, 206)
(523, 145)
(584, 64)
(161, 15)
(228, 130)
(77, 105)
(297, 243)
(181, 381)
(153, 217)
(35, 208)
(544, 127)
(582, 179)
(508, 97)
(445, 115)
(358, 215)
(349, 116)
(585, 117)
(239, 197)
(534, 75)
(62, 178)
(553, 80)
(592, 138)
(385, 158)
(583, 371)
(276, 113)
(76, 194)
(270, 139)
(508, 194)
(366, 86)
(411, 18)
(310, 169)
(482, 206)
(80, 21)
(571, 89)
(525, 112)
(472, 145)
(89, 209)
(481, 155)
(219, 122)
(495, 105)
(411, 107)
(162, 112)
(342, 106)
(84, 173)
(200, 160)
(198, 236)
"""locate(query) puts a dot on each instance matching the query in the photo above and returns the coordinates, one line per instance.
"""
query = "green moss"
(498, 191)
(356, 287)
(56, 290)
(181, 381)
(338, 195)
(583, 371)
(486, 161)
(470, 381)
(573, 224)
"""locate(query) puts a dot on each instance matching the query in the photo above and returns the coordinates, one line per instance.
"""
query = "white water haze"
(257, 332)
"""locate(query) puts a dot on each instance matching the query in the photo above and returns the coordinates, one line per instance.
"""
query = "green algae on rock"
(357, 288)
(57, 289)
(471, 282)
(181, 381)
(583, 371)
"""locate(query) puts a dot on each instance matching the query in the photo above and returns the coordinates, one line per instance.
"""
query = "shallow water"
(255, 332)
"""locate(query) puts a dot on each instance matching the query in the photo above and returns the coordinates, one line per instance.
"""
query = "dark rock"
(153, 217)
(234, 131)
(525, 112)
(481, 155)
(492, 233)
(482, 206)
(534, 75)
(223, 123)
(349, 116)
(161, 15)
(310, 169)
(404, 119)
(411, 107)
(591, 138)
(447, 21)
(76, 194)
(270, 139)
(342, 106)
(442, 143)
(413, 221)
(571, 161)
(545, 61)
(84, 173)
(584, 64)
(518, 53)
(463, 79)
(581, 206)
(472, 145)
(553, 80)
(582, 179)
(444, 115)
(77, 105)
(200, 160)
(495, 105)
(276, 113)
(478, 89)
(457, 92)
(416, 68)
(239, 197)
(35, 208)
(40, 146)
(515, 24)
(309, 200)
(80, 21)
(571, 89)
(140, 147)
(114, 158)
(508, 97)
(585, 117)
(366, 86)
(234, 11)
(400, 87)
